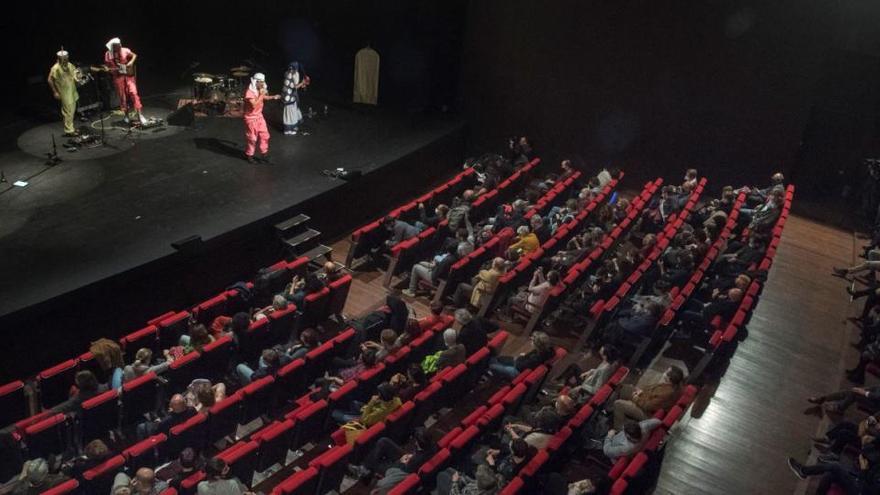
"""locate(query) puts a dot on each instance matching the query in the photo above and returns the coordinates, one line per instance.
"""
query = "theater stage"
(98, 227)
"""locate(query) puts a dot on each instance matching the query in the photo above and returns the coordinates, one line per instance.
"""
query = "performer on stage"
(119, 61)
(294, 80)
(254, 123)
(62, 82)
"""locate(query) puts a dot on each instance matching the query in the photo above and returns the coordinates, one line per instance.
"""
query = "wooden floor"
(797, 346)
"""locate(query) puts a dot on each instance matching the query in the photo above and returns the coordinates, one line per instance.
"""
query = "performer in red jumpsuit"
(120, 63)
(255, 128)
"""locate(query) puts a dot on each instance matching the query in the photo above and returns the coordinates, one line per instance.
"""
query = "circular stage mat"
(117, 137)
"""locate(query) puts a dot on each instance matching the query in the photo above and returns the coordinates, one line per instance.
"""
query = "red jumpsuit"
(126, 85)
(254, 124)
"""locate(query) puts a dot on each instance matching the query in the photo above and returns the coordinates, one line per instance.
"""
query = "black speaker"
(183, 116)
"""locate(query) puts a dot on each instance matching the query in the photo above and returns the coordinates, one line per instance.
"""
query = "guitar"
(120, 69)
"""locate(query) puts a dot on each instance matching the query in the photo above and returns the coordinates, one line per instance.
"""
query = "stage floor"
(99, 213)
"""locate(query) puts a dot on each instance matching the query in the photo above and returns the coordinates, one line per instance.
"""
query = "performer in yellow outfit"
(62, 82)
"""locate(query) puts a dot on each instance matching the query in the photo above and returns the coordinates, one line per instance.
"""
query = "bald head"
(329, 267)
(144, 479)
(564, 405)
(735, 294)
(742, 282)
(177, 403)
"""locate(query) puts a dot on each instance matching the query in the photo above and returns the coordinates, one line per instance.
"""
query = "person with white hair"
(254, 122)
(36, 478)
(62, 82)
(454, 354)
(119, 62)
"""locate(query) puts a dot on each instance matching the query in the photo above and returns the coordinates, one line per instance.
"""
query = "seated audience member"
(840, 401)
(270, 362)
(108, 355)
(186, 464)
(508, 460)
(756, 196)
(348, 369)
(35, 478)
(143, 364)
(636, 322)
(846, 434)
(374, 411)
(86, 386)
(308, 340)
(94, 453)
(764, 217)
(473, 332)
(431, 271)
(432, 220)
(218, 481)
(527, 242)
(543, 426)
(300, 287)
(583, 385)
(198, 337)
(279, 303)
(397, 316)
(697, 314)
(178, 412)
(435, 317)
(452, 482)
(143, 483)
(541, 229)
(509, 366)
(637, 404)
(454, 354)
(864, 480)
(413, 383)
(387, 455)
(201, 394)
(533, 297)
(398, 230)
(331, 272)
(460, 208)
(737, 261)
(628, 441)
(387, 344)
(483, 285)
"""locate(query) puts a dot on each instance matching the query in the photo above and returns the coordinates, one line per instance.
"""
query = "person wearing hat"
(255, 128)
(119, 61)
(62, 82)
(35, 478)
(452, 482)
(294, 80)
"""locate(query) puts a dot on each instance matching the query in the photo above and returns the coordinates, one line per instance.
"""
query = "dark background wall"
(419, 42)
(727, 87)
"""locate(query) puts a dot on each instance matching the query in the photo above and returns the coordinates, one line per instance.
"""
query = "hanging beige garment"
(366, 76)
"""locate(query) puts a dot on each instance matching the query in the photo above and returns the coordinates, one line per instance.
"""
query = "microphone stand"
(52, 157)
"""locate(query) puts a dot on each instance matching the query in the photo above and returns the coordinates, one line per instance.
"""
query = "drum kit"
(218, 93)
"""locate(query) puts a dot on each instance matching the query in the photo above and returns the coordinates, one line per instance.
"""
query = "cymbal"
(240, 68)
(206, 80)
(240, 74)
(203, 74)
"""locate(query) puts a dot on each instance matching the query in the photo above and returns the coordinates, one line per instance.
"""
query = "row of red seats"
(405, 253)
(365, 238)
(467, 266)
(582, 266)
(481, 421)
(517, 276)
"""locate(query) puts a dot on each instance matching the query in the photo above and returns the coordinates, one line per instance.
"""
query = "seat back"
(182, 371)
(147, 337)
(13, 403)
(331, 466)
(338, 294)
(139, 396)
(206, 312)
(47, 437)
(191, 433)
(55, 383)
(281, 324)
(242, 460)
(99, 415)
(171, 328)
(99, 479)
(274, 443)
(258, 398)
(224, 417)
(303, 482)
(215, 358)
(314, 308)
(144, 453)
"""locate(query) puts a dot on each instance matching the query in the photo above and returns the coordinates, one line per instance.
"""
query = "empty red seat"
(13, 403)
(47, 436)
(99, 479)
(429, 470)
(497, 341)
(513, 487)
(303, 482)
(99, 415)
(252, 341)
(274, 443)
(257, 398)
(207, 311)
(601, 395)
(191, 433)
(332, 466)
(147, 337)
(224, 417)
(281, 324)
(398, 423)
(242, 460)
(408, 486)
(182, 371)
(463, 441)
(292, 379)
(139, 396)
(171, 328)
(144, 453)
(215, 357)
(635, 466)
(310, 422)
(55, 383)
